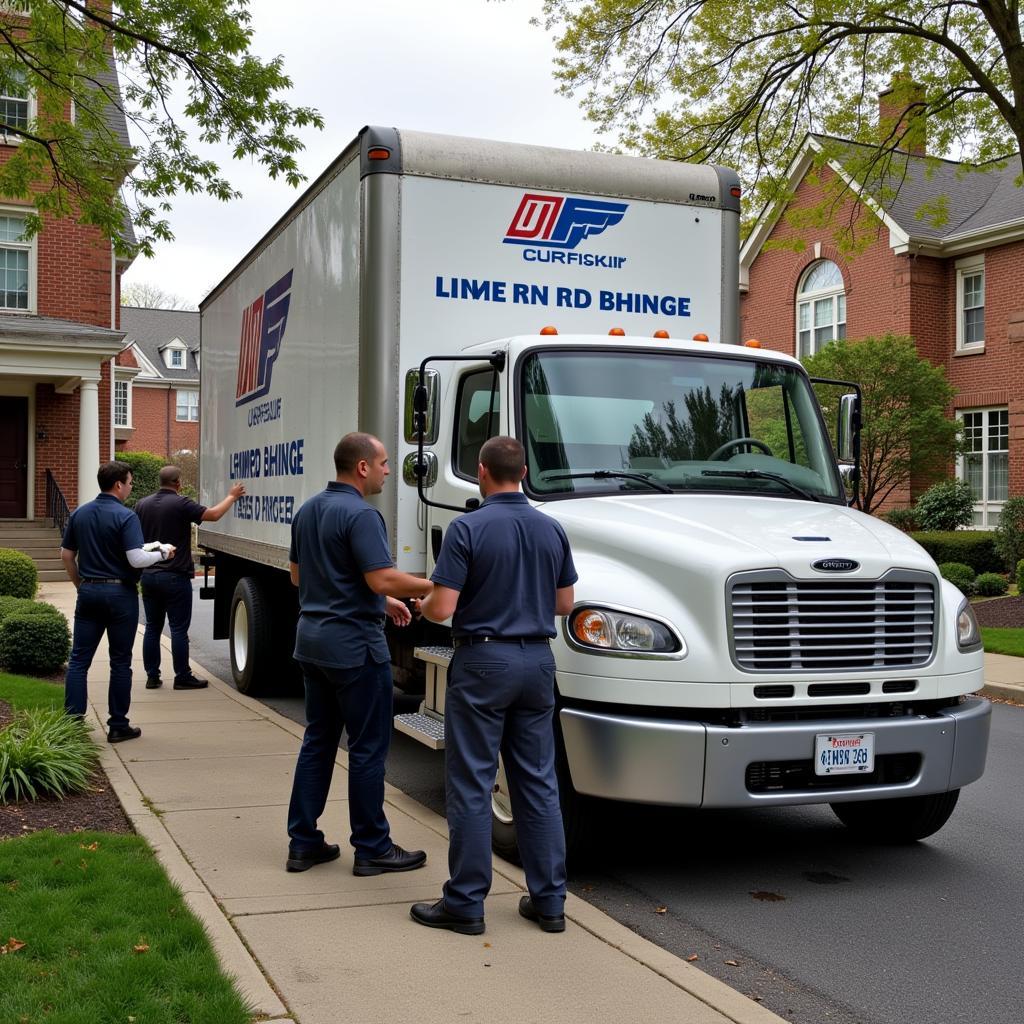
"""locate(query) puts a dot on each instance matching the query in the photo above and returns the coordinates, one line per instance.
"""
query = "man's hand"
(237, 490)
(168, 551)
(397, 612)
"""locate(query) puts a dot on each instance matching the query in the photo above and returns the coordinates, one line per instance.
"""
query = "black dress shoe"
(434, 915)
(124, 732)
(303, 860)
(396, 859)
(153, 682)
(547, 923)
(190, 683)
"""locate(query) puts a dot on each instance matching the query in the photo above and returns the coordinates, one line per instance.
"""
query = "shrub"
(1020, 577)
(188, 462)
(1010, 532)
(18, 575)
(975, 548)
(34, 643)
(946, 506)
(959, 575)
(44, 751)
(26, 606)
(991, 584)
(904, 519)
(145, 474)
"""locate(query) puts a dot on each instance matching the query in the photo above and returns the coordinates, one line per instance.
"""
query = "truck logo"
(835, 565)
(263, 326)
(561, 222)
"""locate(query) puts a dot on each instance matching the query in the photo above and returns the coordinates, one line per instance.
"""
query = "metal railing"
(56, 504)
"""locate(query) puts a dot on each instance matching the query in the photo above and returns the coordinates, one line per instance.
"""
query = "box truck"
(741, 637)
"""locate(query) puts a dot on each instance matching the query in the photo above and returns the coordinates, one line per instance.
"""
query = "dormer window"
(175, 355)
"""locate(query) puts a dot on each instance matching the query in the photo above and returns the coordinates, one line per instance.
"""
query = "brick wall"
(155, 428)
(901, 294)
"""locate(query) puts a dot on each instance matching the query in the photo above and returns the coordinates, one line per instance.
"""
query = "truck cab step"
(426, 729)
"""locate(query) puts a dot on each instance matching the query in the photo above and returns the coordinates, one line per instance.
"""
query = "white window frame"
(170, 349)
(811, 300)
(188, 418)
(128, 403)
(30, 248)
(988, 509)
(30, 99)
(969, 266)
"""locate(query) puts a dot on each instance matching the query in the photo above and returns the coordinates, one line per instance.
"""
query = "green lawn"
(106, 938)
(1003, 640)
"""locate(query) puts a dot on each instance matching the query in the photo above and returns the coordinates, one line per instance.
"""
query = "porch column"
(88, 439)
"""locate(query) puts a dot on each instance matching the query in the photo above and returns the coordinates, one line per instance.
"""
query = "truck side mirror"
(413, 469)
(421, 400)
(846, 426)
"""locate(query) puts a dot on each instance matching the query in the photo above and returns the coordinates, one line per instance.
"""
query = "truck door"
(476, 413)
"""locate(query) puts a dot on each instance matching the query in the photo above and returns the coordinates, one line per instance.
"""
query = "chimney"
(901, 116)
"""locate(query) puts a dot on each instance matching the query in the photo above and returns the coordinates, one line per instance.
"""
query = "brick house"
(58, 339)
(957, 289)
(156, 382)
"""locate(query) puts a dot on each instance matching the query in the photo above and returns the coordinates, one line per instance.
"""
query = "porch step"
(425, 728)
(53, 576)
(25, 524)
(40, 540)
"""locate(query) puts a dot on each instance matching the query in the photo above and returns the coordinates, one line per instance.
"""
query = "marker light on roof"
(378, 153)
(617, 332)
(662, 334)
(700, 337)
(549, 330)
(752, 343)
(735, 191)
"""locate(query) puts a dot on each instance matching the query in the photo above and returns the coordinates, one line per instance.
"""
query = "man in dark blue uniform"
(102, 551)
(341, 562)
(505, 571)
(168, 515)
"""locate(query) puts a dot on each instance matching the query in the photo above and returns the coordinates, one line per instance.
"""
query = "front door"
(13, 458)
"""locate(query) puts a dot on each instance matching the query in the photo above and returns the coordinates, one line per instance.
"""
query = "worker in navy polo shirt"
(168, 515)
(341, 562)
(505, 571)
(102, 551)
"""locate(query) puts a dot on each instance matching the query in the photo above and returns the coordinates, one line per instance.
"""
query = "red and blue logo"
(263, 326)
(561, 222)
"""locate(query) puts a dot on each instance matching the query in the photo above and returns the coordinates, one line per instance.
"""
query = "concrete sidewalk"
(207, 784)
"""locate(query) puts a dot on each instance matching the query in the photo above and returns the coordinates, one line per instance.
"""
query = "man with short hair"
(167, 588)
(341, 562)
(504, 572)
(102, 552)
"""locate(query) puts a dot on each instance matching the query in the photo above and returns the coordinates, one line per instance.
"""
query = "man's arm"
(293, 572)
(564, 599)
(69, 558)
(215, 512)
(393, 583)
(439, 604)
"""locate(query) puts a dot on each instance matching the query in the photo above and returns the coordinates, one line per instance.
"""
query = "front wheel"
(905, 820)
(250, 637)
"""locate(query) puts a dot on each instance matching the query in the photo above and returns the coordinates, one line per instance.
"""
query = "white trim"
(26, 389)
(186, 391)
(126, 381)
(986, 506)
(145, 366)
(31, 247)
(33, 110)
(969, 266)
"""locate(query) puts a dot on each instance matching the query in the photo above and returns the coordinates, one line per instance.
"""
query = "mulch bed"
(96, 809)
(1000, 612)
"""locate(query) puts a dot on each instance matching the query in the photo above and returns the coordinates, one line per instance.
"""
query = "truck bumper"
(696, 764)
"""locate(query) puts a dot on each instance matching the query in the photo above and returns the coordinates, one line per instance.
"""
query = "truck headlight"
(967, 632)
(621, 631)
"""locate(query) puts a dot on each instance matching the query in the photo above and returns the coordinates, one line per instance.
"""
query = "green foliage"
(145, 474)
(743, 85)
(946, 506)
(34, 642)
(959, 575)
(18, 575)
(975, 548)
(904, 413)
(82, 903)
(198, 49)
(991, 584)
(903, 519)
(1020, 577)
(44, 752)
(188, 463)
(1010, 532)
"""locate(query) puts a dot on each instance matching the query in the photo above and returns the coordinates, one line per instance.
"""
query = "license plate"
(844, 753)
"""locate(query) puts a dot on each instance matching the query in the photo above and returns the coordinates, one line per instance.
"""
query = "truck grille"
(780, 624)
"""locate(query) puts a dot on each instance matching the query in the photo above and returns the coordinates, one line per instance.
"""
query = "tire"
(905, 820)
(253, 655)
(577, 814)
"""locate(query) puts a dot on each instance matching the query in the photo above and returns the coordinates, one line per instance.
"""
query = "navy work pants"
(501, 697)
(111, 608)
(359, 701)
(167, 595)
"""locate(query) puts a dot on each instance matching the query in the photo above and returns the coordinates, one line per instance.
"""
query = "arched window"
(820, 308)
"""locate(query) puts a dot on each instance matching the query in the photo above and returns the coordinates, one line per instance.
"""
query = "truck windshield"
(613, 421)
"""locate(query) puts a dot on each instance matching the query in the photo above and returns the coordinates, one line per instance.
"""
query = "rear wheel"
(252, 651)
(905, 820)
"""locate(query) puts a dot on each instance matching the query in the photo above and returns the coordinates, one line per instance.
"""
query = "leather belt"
(103, 579)
(469, 641)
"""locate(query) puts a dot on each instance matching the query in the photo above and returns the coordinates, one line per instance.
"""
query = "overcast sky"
(459, 67)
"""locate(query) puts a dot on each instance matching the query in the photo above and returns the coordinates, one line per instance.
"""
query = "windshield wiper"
(611, 474)
(760, 474)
